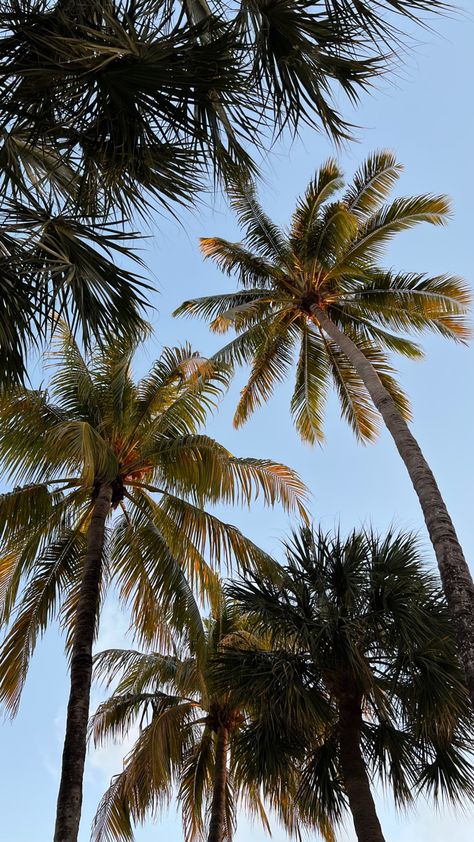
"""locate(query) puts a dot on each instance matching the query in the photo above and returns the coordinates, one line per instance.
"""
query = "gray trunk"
(455, 575)
(68, 811)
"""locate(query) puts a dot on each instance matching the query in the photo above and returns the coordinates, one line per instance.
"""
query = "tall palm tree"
(320, 286)
(99, 452)
(358, 626)
(190, 739)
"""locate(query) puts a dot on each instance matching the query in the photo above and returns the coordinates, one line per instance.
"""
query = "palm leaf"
(309, 397)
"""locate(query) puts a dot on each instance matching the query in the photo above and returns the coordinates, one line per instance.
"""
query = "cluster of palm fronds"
(306, 680)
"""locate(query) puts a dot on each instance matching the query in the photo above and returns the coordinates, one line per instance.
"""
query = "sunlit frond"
(309, 397)
(58, 565)
(372, 183)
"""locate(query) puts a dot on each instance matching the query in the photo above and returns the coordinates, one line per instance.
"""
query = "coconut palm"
(320, 287)
(190, 739)
(359, 624)
(95, 453)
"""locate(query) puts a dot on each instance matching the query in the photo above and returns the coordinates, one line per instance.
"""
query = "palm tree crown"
(181, 718)
(96, 428)
(357, 630)
(328, 260)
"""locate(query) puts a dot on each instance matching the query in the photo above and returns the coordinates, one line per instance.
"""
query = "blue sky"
(425, 115)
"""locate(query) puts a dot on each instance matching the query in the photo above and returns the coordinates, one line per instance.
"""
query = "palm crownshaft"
(108, 445)
(320, 285)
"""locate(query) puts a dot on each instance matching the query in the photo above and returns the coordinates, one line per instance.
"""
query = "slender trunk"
(218, 821)
(354, 773)
(455, 575)
(69, 803)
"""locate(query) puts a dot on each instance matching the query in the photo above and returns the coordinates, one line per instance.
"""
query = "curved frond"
(327, 181)
(309, 397)
(271, 361)
(58, 566)
(233, 259)
(372, 183)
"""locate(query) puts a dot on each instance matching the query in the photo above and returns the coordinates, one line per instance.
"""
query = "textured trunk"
(217, 824)
(68, 810)
(455, 575)
(356, 782)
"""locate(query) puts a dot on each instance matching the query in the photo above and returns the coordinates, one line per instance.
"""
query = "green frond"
(321, 792)
(401, 215)
(238, 310)
(261, 234)
(22, 549)
(251, 269)
(356, 406)
(71, 267)
(53, 573)
(331, 235)
(27, 418)
(112, 820)
(72, 383)
(309, 397)
(145, 785)
(84, 452)
(140, 670)
(272, 359)
(222, 541)
(449, 775)
(372, 183)
(327, 181)
(24, 509)
(152, 578)
(195, 785)
(413, 302)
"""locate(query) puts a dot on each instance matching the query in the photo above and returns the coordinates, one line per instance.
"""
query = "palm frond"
(271, 362)
(233, 259)
(309, 397)
(372, 183)
(327, 181)
(261, 234)
(58, 565)
(401, 215)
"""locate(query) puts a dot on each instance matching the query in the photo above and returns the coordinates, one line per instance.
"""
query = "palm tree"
(320, 286)
(360, 628)
(107, 106)
(98, 453)
(190, 738)
(140, 96)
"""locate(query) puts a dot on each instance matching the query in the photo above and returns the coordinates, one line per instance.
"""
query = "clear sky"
(425, 115)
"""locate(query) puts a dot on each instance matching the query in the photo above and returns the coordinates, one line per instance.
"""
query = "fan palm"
(320, 286)
(358, 626)
(191, 738)
(54, 264)
(98, 444)
(106, 105)
(141, 95)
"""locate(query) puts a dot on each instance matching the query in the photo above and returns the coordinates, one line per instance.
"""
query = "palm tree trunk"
(454, 571)
(354, 773)
(68, 812)
(217, 824)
